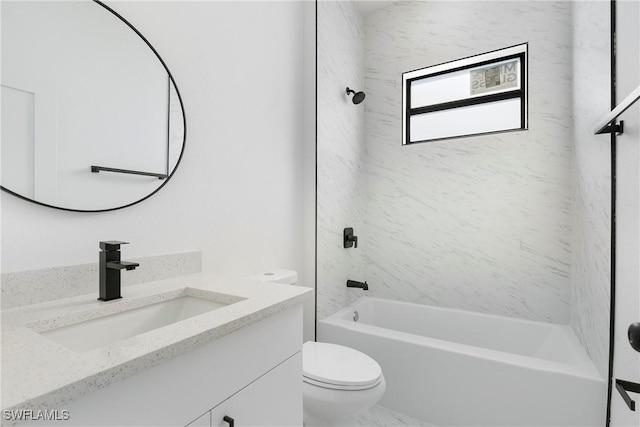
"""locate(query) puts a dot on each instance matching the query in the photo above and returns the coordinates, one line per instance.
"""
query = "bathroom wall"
(480, 223)
(591, 255)
(241, 192)
(341, 189)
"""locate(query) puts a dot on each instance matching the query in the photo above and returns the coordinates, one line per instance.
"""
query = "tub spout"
(354, 284)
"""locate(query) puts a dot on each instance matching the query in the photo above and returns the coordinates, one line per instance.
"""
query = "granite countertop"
(38, 373)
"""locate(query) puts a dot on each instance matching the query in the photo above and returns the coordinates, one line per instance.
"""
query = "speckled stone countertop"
(37, 373)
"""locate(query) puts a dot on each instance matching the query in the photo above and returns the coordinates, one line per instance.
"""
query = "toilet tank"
(285, 277)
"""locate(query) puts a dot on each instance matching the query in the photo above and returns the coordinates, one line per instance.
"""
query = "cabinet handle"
(229, 420)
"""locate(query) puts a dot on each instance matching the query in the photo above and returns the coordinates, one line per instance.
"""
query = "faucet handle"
(348, 239)
(112, 245)
(123, 265)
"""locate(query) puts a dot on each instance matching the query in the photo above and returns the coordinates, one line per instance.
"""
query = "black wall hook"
(613, 127)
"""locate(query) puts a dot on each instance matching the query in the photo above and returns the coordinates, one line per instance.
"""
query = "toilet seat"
(339, 368)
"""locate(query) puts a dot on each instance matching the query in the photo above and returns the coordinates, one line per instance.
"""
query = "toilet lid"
(336, 366)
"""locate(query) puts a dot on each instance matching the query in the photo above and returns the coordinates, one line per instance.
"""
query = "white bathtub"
(458, 368)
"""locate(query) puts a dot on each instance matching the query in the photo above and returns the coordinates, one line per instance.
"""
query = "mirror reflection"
(81, 89)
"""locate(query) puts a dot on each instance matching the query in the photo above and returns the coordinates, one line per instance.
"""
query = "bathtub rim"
(584, 368)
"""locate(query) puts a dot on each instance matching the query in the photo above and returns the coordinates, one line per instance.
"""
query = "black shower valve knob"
(348, 239)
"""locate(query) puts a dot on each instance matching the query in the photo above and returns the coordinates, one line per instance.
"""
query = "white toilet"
(338, 382)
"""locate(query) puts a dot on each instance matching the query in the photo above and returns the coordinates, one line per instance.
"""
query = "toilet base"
(337, 408)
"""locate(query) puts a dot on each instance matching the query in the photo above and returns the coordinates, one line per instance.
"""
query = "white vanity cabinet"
(253, 375)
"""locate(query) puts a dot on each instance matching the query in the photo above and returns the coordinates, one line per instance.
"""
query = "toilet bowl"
(338, 382)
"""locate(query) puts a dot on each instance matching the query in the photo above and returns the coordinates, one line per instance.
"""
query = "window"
(472, 96)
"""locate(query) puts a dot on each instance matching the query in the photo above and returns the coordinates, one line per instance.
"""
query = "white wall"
(591, 255)
(238, 193)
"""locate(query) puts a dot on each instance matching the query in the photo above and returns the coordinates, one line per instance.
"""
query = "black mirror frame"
(184, 126)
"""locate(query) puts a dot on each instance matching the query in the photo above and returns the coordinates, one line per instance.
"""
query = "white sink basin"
(100, 331)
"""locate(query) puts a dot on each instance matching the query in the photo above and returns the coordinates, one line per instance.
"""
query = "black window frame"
(521, 93)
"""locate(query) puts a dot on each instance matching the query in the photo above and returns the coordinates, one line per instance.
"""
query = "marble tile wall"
(37, 286)
(479, 223)
(591, 258)
(341, 190)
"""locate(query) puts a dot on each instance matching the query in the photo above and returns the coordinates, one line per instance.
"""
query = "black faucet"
(354, 284)
(110, 266)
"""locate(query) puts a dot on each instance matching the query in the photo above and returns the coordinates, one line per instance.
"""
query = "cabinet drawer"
(275, 399)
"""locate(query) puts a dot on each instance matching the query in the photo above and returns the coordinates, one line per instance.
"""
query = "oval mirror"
(91, 117)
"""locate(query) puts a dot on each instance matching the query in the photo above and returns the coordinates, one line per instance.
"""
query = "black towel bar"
(97, 169)
(623, 387)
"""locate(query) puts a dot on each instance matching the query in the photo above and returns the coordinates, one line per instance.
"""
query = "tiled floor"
(383, 417)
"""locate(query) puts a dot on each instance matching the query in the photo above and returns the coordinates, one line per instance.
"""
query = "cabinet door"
(274, 399)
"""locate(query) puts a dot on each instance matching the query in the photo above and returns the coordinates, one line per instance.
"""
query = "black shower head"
(358, 97)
